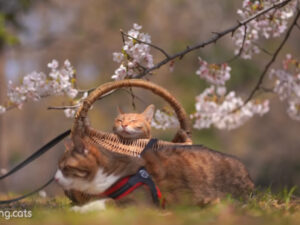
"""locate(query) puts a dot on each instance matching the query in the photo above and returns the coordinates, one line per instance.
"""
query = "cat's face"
(79, 170)
(134, 125)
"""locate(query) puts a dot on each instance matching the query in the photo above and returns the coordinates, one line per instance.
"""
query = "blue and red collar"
(128, 184)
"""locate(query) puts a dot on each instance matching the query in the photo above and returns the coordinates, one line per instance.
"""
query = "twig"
(77, 105)
(242, 47)
(88, 90)
(214, 39)
(132, 98)
(263, 74)
(63, 107)
(123, 39)
(270, 90)
(135, 96)
(263, 49)
(146, 43)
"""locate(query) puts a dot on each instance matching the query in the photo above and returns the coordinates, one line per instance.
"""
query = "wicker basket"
(113, 142)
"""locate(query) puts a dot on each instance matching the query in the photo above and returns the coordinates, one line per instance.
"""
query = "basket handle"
(81, 120)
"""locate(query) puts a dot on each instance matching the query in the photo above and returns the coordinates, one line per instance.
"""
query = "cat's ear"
(149, 112)
(69, 145)
(78, 144)
(120, 111)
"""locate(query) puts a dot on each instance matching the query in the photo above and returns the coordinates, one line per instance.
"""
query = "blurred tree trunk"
(3, 151)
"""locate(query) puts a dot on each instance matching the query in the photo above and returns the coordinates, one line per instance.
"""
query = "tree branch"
(264, 72)
(214, 39)
(63, 107)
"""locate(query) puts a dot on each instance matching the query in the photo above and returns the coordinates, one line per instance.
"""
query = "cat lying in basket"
(172, 174)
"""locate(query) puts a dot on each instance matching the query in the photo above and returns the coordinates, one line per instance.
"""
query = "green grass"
(264, 208)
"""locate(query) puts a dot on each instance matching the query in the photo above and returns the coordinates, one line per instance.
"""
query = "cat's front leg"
(97, 205)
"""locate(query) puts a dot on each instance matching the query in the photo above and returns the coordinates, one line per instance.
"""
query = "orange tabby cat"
(138, 125)
(134, 125)
(191, 174)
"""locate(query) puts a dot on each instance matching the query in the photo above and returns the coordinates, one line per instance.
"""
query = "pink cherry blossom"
(163, 121)
(134, 56)
(287, 84)
(271, 24)
(38, 84)
(216, 74)
(225, 112)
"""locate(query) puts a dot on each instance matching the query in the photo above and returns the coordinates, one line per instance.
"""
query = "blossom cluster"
(287, 85)
(225, 111)
(135, 56)
(216, 74)
(270, 24)
(163, 120)
(215, 107)
(36, 85)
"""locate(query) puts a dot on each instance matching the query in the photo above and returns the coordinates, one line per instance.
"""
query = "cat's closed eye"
(81, 173)
(75, 171)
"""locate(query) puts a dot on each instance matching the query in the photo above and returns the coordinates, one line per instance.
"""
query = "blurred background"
(33, 32)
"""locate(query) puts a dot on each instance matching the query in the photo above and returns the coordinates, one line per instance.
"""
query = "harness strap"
(128, 184)
(38, 153)
(149, 145)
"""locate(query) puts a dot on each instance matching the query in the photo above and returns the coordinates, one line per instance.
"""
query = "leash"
(119, 190)
(32, 157)
(5, 202)
(38, 153)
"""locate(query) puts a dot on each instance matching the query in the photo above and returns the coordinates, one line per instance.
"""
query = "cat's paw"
(98, 205)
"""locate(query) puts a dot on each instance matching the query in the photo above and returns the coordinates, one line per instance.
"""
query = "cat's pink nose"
(124, 125)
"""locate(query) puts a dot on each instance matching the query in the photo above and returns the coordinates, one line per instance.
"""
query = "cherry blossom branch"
(214, 39)
(242, 47)
(63, 107)
(146, 43)
(181, 54)
(267, 67)
(9, 106)
(103, 96)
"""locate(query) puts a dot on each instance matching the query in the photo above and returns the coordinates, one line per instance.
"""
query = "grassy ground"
(265, 208)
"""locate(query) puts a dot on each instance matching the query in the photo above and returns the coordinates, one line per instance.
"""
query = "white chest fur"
(99, 184)
(91, 206)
